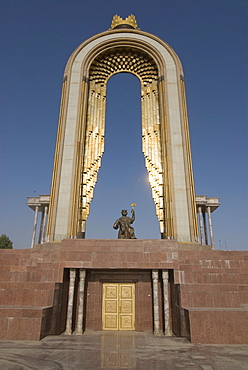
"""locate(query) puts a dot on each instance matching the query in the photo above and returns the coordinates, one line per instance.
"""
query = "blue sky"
(210, 37)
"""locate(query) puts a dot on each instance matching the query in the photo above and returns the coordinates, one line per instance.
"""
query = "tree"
(5, 242)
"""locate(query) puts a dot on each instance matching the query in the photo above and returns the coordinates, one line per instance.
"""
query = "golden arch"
(106, 64)
(165, 137)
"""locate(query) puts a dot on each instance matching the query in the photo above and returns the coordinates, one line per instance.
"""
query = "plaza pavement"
(119, 350)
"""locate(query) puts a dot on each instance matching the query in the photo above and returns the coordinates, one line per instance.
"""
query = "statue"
(126, 231)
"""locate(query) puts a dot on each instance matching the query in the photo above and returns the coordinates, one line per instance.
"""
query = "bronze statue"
(126, 231)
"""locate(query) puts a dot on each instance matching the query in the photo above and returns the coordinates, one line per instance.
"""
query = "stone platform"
(120, 350)
(208, 290)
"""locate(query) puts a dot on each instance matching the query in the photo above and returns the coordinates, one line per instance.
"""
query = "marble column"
(201, 225)
(167, 323)
(205, 228)
(210, 227)
(80, 311)
(35, 226)
(68, 330)
(155, 302)
(43, 225)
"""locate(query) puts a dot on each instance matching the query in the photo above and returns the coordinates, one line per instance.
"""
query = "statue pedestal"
(165, 281)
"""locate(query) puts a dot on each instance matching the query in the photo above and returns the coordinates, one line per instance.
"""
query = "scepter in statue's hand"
(133, 205)
(132, 211)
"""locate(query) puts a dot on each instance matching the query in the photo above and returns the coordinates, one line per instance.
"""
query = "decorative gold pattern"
(111, 292)
(94, 148)
(151, 138)
(124, 59)
(111, 322)
(130, 20)
(110, 306)
(126, 292)
(126, 321)
(108, 63)
(126, 306)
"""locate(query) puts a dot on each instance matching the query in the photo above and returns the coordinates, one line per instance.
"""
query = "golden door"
(118, 306)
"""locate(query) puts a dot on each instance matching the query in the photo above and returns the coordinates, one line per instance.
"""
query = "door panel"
(126, 307)
(118, 306)
(110, 307)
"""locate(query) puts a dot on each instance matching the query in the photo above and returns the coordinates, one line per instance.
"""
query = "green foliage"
(5, 242)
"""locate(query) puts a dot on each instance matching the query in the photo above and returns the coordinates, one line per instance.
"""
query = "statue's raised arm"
(133, 216)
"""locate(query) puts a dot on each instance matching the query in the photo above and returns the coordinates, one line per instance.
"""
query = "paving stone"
(119, 350)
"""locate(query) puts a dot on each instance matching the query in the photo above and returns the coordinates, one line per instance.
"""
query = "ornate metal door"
(118, 306)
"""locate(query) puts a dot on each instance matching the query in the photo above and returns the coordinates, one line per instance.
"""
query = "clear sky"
(210, 37)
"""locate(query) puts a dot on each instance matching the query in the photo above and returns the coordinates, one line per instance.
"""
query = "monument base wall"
(208, 290)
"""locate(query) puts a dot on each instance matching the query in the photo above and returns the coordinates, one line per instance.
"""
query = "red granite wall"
(212, 287)
(119, 254)
(226, 326)
(204, 286)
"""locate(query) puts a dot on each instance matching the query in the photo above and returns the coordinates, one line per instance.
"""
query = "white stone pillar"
(205, 228)
(155, 302)
(72, 274)
(201, 225)
(80, 311)
(167, 323)
(210, 227)
(35, 226)
(43, 225)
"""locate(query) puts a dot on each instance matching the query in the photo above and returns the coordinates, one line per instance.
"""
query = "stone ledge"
(215, 308)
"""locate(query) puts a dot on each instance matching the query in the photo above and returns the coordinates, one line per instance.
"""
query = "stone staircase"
(27, 293)
(212, 296)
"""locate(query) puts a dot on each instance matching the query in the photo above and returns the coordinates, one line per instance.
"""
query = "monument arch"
(77, 284)
(165, 136)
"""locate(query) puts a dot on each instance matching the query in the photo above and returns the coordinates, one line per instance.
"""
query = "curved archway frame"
(80, 137)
